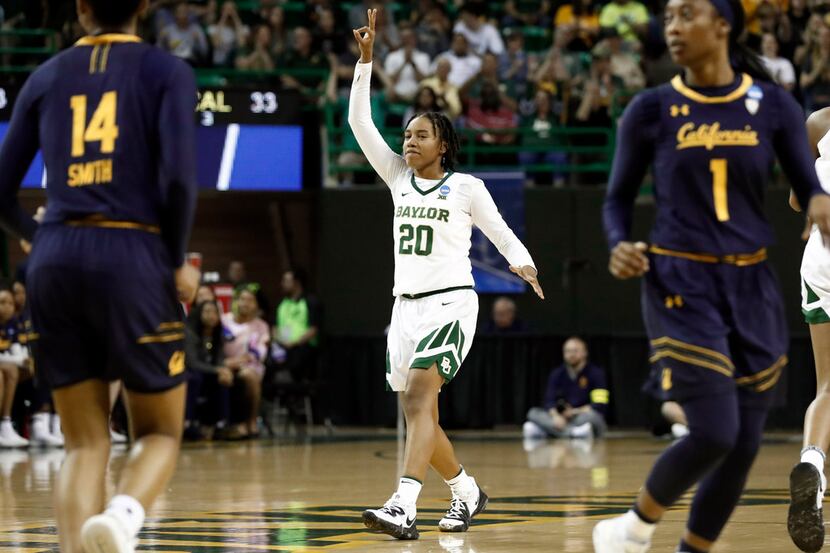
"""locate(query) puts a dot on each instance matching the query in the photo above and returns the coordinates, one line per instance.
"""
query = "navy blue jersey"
(713, 151)
(588, 387)
(114, 120)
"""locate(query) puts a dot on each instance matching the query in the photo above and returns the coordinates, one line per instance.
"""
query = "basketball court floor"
(307, 495)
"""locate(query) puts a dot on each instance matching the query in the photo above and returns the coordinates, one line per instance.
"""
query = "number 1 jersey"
(713, 152)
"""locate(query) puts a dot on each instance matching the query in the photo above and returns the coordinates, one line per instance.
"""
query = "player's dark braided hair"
(442, 126)
(743, 59)
(111, 13)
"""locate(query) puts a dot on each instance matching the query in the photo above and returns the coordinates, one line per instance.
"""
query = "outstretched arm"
(384, 161)
(486, 216)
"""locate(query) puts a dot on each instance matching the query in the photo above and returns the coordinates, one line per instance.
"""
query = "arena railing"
(25, 43)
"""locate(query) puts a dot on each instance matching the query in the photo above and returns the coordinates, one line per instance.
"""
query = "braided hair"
(443, 129)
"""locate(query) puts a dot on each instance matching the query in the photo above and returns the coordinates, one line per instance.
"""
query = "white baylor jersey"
(815, 265)
(433, 219)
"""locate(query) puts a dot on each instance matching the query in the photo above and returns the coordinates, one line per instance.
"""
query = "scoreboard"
(246, 139)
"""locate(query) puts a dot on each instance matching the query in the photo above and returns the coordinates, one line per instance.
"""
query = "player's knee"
(716, 440)
(417, 401)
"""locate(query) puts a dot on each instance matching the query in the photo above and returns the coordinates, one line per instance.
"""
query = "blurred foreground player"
(711, 304)
(114, 120)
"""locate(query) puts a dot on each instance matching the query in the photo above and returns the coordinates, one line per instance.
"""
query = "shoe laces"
(393, 508)
(458, 509)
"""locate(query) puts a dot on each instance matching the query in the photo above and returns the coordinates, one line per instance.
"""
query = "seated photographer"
(575, 400)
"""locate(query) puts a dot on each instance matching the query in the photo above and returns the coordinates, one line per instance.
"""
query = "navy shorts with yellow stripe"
(103, 304)
(714, 327)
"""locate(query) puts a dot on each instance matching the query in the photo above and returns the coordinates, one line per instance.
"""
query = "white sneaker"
(461, 512)
(532, 431)
(40, 432)
(117, 438)
(55, 429)
(105, 533)
(610, 537)
(582, 432)
(10, 438)
(679, 430)
(394, 518)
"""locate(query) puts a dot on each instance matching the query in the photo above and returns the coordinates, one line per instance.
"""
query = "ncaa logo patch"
(753, 99)
(443, 192)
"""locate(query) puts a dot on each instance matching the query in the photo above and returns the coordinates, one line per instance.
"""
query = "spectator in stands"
(13, 358)
(490, 114)
(482, 36)
(432, 27)
(503, 318)
(581, 18)
(752, 22)
(328, 38)
(513, 65)
(245, 348)
(227, 35)
(279, 33)
(489, 74)
(258, 56)
(791, 26)
(543, 145)
(810, 40)
(464, 65)
(298, 326)
(575, 400)
(625, 64)
(425, 100)
(207, 375)
(238, 278)
(629, 17)
(357, 13)
(203, 294)
(387, 37)
(532, 14)
(303, 56)
(446, 91)
(560, 66)
(406, 67)
(815, 74)
(780, 68)
(597, 91)
(184, 37)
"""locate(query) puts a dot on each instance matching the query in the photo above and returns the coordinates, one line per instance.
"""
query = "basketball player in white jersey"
(805, 521)
(434, 317)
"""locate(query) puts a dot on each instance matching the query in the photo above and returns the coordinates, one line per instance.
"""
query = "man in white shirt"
(483, 37)
(406, 67)
(464, 64)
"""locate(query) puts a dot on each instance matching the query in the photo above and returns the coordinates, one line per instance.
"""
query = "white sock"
(638, 529)
(814, 456)
(408, 491)
(6, 426)
(462, 485)
(129, 511)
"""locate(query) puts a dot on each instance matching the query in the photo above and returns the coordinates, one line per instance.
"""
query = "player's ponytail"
(743, 59)
(442, 126)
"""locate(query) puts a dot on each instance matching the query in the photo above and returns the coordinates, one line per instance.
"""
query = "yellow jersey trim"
(107, 39)
(763, 387)
(678, 84)
(739, 260)
(690, 360)
(665, 341)
(107, 223)
(153, 339)
(170, 326)
(105, 57)
(92, 58)
(765, 373)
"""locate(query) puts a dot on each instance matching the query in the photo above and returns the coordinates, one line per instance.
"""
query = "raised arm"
(486, 216)
(384, 161)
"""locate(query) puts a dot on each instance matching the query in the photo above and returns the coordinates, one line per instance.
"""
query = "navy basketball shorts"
(104, 306)
(713, 328)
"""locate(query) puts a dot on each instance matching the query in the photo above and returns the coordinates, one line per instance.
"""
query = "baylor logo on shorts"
(446, 365)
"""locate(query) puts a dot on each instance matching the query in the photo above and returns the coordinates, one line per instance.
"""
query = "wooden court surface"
(288, 496)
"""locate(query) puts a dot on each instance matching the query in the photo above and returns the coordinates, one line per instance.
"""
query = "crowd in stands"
(514, 71)
(236, 353)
